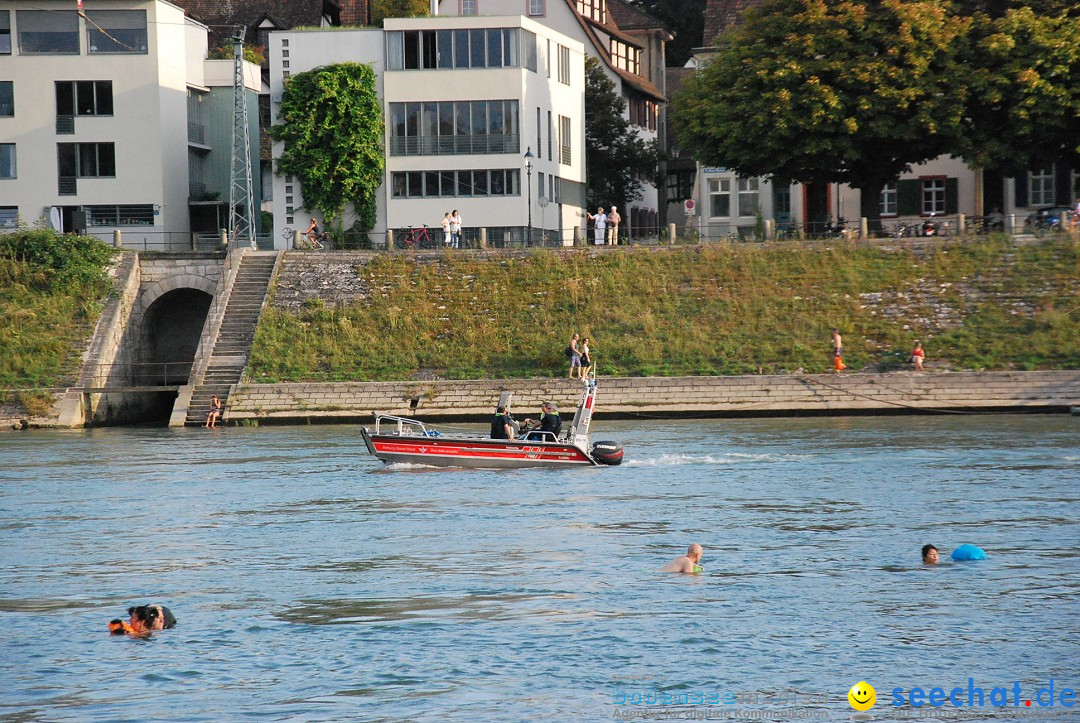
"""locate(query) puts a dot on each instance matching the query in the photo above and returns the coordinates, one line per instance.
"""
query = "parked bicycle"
(1047, 220)
(415, 238)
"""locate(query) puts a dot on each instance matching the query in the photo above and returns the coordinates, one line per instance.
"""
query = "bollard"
(389, 240)
(577, 236)
(770, 229)
(671, 233)
(224, 238)
(960, 223)
(117, 239)
(296, 234)
(864, 227)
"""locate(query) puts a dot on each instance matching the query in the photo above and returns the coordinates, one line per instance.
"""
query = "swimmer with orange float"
(142, 620)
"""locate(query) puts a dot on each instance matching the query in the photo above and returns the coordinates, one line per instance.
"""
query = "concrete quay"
(665, 397)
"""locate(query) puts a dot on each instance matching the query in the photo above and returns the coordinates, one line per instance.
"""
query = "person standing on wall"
(613, 220)
(599, 231)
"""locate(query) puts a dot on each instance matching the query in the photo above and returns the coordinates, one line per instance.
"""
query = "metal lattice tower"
(241, 196)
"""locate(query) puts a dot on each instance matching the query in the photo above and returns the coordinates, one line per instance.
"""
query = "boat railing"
(538, 436)
(404, 426)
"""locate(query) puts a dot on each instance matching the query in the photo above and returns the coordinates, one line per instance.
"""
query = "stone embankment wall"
(665, 397)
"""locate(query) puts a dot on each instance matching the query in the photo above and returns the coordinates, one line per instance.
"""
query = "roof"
(284, 13)
(631, 17)
(721, 15)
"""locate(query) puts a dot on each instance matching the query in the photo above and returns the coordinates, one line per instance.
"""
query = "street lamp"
(528, 195)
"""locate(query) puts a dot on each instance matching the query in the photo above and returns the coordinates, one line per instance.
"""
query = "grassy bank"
(51, 288)
(688, 311)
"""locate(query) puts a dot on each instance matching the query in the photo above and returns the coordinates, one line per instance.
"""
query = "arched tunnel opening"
(171, 330)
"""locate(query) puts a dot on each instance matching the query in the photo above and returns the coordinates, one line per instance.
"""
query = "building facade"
(102, 123)
(465, 101)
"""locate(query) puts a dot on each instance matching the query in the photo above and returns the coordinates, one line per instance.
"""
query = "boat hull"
(473, 452)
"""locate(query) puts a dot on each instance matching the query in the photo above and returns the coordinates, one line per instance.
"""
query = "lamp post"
(528, 193)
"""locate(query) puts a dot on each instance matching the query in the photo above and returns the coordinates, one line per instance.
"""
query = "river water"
(312, 583)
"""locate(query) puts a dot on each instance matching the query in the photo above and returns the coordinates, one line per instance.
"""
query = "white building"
(95, 111)
(464, 100)
(632, 58)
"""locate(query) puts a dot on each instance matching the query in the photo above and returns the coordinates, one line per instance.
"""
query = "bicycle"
(415, 238)
(305, 242)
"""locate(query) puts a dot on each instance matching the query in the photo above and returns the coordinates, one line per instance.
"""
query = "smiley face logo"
(862, 696)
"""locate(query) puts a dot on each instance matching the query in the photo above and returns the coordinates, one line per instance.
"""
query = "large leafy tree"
(1024, 73)
(851, 91)
(332, 128)
(618, 162)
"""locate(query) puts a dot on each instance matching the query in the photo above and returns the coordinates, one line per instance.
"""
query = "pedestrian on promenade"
(446, 229)
(838, 351)
(613, 220)
(600, 229)
(455, 229)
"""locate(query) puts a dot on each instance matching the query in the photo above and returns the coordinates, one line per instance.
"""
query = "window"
(1041, 188)
(540, 185)
(9, 216)
(933, 195)
(87, 160)
(7, 160)
(564, 65)
(625, 56)
(446, 49)
(538, 127)
(720, 197)
(888, 200)
(530, 50)
(643, 112)
(537, 8)
(84, 97)
(5, 32)
(116, 31)
(748, 196)
(564, 140)
(451, 184)
(48, 32)
(127, 215)
(7, 98)
(468, 7)
(547, 58)
(454, 127)
(593, 9)
(551, 132)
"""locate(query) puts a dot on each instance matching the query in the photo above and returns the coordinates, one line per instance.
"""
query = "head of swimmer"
(145, 618)
(929, 555)
(694, 553)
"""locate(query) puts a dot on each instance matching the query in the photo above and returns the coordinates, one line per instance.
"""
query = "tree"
(1024, 105)
(686, 21)
(850, 91)
(382, 9)
(617, 161)
(333, 134)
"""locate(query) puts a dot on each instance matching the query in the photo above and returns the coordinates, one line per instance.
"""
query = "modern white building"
(474, 122)
(113, 118)
(632, 58)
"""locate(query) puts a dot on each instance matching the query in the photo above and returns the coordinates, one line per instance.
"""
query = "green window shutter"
(908, 197)
(952, 196)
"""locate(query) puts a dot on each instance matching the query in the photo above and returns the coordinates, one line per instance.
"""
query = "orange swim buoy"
(119, 627)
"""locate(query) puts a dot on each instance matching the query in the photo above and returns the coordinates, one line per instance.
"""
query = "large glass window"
(748, 196)
(86, 160)
(7, 98)
(454, 127)
(52, 32)
(7, 160)
(451, 184)
(116, 31)
(5, 32)
(933, 195)
(138, 214)
(445, 49)
(720, 198)
(84, 97)
(1042, 187)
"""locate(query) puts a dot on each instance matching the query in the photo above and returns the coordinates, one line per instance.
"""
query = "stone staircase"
(230, 353)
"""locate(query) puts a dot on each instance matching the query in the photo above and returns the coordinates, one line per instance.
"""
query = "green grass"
(688, 310)
(51, 289)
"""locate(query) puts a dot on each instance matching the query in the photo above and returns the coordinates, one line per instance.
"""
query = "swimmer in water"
(143, 619)
(686, 563)
(929, 555)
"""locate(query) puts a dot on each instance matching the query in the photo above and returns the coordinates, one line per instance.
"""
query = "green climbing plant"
(332, 128)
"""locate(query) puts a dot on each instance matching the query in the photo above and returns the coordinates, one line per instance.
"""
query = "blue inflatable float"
(968, 552)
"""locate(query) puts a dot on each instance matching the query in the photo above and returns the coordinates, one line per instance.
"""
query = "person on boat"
(929, 555)
(688, 562)
(549, 421)
(502, 425)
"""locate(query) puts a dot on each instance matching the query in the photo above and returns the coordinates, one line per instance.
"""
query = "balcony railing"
(454, 145)
(196, 133)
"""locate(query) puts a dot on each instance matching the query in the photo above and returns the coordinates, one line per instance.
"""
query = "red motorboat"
(405, 440)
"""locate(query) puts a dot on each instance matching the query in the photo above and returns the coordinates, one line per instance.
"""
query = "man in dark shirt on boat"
(502, 425)
(549, 421)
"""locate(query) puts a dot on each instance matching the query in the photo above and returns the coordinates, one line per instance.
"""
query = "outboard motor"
(607, 453)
